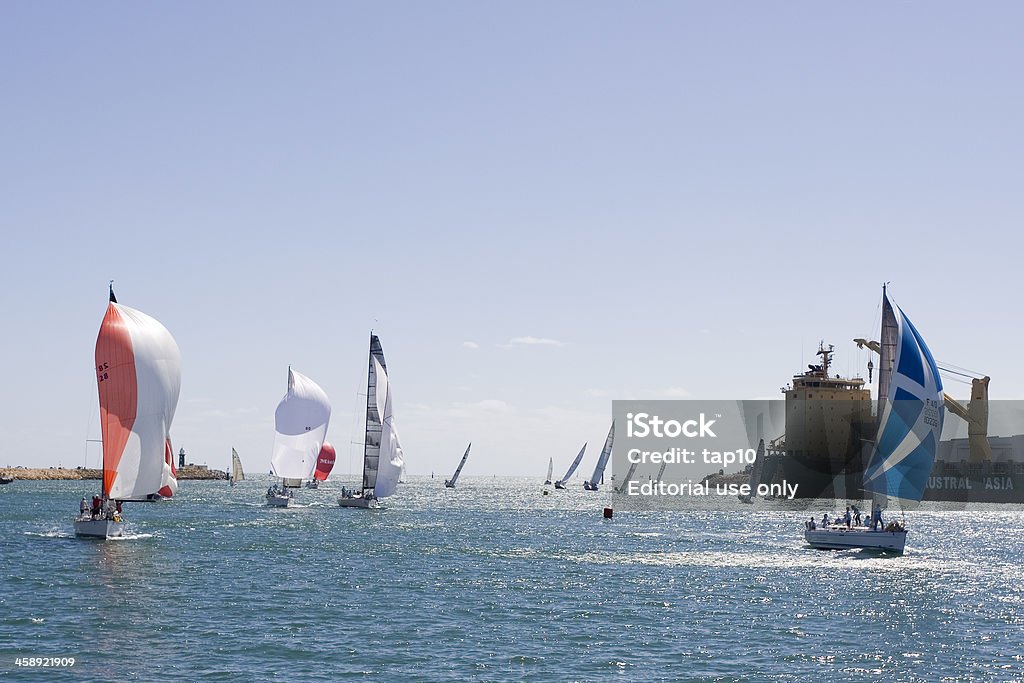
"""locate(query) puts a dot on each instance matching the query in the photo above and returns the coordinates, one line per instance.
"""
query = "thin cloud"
(470, 345)
(676, 392)
(535, 341)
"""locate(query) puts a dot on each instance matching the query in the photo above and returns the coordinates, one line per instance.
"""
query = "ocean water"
(496, 582)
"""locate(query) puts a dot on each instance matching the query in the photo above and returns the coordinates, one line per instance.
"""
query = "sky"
(539, 207)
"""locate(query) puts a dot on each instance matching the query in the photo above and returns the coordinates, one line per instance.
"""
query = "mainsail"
(236, 467)
(138, 373)
(911, 414)
(383, 459)
(325, 462)
(602, 461)
(301, 423)
(551, 468)
(450, 483)
(573, 466)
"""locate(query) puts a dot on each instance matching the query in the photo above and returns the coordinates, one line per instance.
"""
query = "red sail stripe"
(324, 462)
(166, 491)
(118, 389)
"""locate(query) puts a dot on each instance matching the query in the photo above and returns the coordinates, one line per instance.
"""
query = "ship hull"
(948, 482)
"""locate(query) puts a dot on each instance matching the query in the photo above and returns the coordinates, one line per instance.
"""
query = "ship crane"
(975, 414)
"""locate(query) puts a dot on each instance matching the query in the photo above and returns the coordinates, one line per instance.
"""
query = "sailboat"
(450, 483)
(237, 474)
(551, 467)
(324, 465)
(560, 484)
(383, 459)
(301, 425)
(138, 375)
(602, 461)
(911, 413)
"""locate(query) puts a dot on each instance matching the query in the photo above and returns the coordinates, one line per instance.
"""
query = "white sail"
(572, 468)
(458, 470)
(301, 425)
(374, 403)
(236, 467)
(138, 371)
(391, 459)
(602, 460)
(551, 470)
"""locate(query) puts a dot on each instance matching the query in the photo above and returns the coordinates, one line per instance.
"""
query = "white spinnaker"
(391, 462)
(157, 362)
(301, 424)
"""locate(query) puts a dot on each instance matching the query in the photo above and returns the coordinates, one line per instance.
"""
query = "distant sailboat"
(237, 474)
(324, 465)
(551, 468)
(301, 424)
(623, 486)
(450, 483)
(910, 424)
(602, 461)
(560, 484)
(383, 459)
(138, 374)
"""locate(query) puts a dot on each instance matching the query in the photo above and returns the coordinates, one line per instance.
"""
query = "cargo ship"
(830, 425)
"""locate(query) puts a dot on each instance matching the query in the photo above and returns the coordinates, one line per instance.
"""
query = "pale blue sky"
(686, 196)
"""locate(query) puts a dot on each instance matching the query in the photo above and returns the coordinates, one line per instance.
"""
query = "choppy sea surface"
(494, 581)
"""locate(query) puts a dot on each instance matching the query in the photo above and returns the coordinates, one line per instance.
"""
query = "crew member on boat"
(876, 517)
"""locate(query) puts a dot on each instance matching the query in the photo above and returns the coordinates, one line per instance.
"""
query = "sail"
(911, 415)
(301, 424)
(602, 461)
(458, 470)
(391, 460)
(138, 373)
(325, 462)
(551, 469)
(236, 467)
(372, 436)
(168, 473)
(624, 484)
(574, 465)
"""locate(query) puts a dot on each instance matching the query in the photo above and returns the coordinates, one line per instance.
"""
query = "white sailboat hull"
(99, 528)
(841, 538)
(279, 501)
(361, 503)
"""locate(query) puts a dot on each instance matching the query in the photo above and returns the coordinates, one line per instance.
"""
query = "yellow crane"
(975, 413)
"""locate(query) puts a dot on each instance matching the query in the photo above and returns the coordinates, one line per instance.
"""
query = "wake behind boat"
(911, 413)
(138, 375)
(383, 459)
(300, 423)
